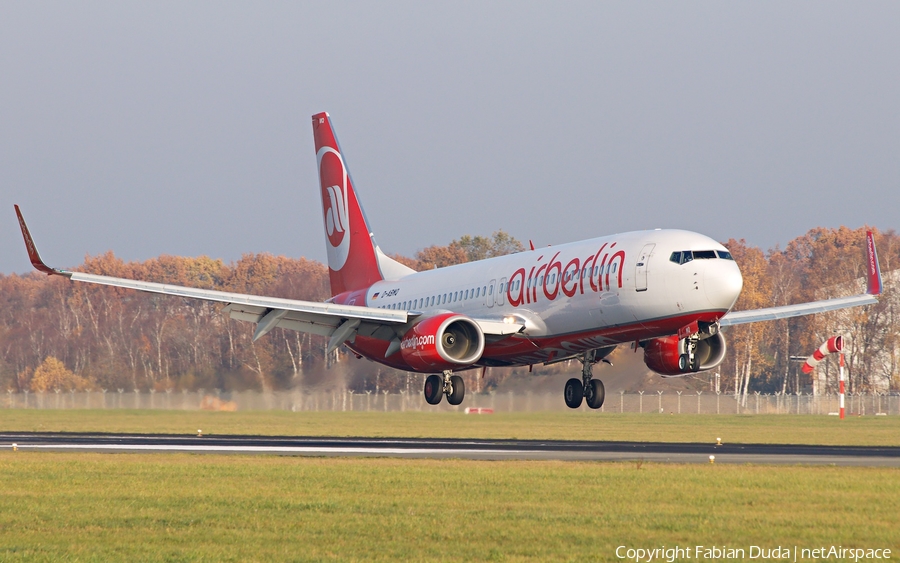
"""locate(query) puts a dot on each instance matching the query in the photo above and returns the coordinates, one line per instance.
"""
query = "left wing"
(874, 287)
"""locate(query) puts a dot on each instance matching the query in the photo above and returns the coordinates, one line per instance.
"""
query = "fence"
(345, 400)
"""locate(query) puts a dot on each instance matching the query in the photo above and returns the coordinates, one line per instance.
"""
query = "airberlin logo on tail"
(333, 180)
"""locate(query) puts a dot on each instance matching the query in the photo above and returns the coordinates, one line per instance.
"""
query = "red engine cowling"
(445, 341)
(662, 354)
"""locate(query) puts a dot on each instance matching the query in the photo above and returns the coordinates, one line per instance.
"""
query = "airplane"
(667, 291)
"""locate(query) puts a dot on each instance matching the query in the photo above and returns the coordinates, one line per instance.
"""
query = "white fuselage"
(581, 295)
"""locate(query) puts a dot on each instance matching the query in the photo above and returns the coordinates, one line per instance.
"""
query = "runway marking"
(418, 448)
(273, 449)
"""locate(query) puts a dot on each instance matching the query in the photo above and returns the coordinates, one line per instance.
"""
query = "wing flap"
(308, 325)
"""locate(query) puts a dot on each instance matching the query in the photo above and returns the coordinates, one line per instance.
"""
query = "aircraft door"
(489, 296)
(640, 269)
(500, 292)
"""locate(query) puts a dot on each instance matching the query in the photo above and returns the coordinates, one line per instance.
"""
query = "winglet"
(873, 270)
(32, 250)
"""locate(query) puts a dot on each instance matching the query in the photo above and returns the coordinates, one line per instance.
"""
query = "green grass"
(783, 429)
(118, 507)
(180, 507)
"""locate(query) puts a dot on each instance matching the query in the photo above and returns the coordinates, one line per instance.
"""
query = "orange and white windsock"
(834, 344)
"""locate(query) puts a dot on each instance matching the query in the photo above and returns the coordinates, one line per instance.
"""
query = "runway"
(454, 448)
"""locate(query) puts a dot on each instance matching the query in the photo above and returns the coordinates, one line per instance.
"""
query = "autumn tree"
(468, 249)
(745, 340)
(53, 375)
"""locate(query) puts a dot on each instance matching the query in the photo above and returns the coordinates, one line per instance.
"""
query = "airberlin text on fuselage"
(554, 277)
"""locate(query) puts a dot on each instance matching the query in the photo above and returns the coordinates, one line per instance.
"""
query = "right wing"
(874, 287)
(326, 319)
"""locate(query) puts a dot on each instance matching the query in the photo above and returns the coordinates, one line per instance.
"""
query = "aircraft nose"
(722, 283)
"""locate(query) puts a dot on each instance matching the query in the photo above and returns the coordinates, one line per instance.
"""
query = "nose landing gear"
(588, 389)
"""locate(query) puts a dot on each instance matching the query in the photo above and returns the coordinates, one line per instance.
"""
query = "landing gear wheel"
(434, 389)
(574, 393)
(595, 393)
(690, 360)
(457, 390)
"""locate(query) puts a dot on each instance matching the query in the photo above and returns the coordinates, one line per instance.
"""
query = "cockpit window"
(685, 256)
(682, 257)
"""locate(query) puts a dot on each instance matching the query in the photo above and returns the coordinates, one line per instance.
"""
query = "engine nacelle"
(445, 341)
(662, 355)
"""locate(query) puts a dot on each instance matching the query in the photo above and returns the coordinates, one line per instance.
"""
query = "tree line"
(55, 334)
(821, 264)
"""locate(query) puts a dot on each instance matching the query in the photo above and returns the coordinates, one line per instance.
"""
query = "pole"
(841, 385)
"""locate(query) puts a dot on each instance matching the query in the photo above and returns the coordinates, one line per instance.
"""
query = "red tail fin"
(352, 261)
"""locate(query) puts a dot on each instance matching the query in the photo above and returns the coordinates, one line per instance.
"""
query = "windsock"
(834, 344)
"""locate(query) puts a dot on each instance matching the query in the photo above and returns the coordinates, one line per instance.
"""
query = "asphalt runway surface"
(456, 448)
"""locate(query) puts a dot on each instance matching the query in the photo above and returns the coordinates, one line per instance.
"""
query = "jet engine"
(444, 341)
(665, 355)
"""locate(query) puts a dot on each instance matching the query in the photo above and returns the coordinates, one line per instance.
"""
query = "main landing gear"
(588, 389)
(436, 386)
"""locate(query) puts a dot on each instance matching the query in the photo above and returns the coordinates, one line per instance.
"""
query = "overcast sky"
(184, 128)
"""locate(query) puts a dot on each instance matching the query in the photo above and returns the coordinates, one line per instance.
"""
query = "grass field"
(182, 507)
(780, 429)
(118, 507)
